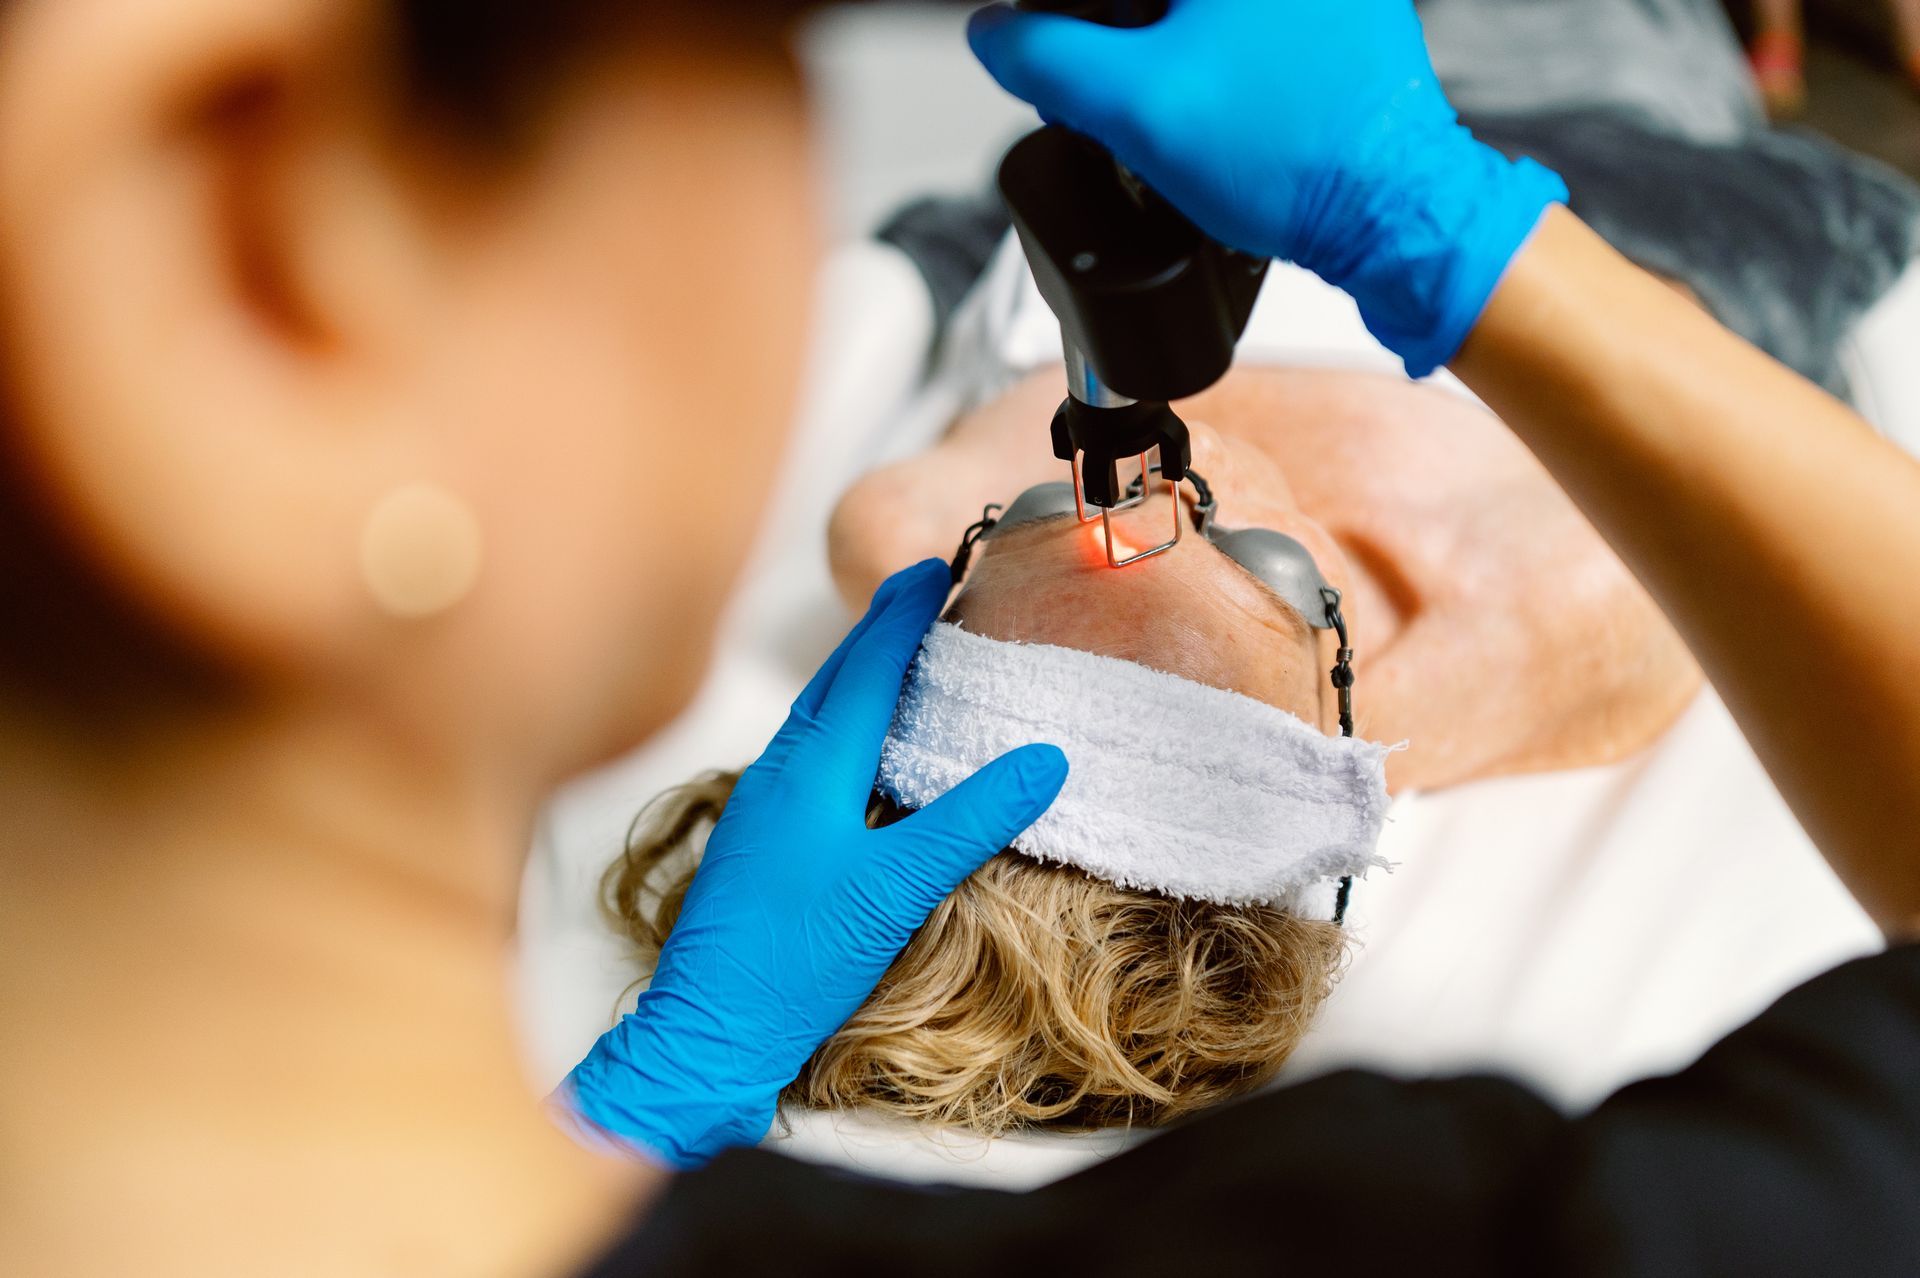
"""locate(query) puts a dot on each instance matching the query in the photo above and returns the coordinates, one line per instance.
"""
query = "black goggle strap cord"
(1342, 674)
(1343, 684)
(989, 517)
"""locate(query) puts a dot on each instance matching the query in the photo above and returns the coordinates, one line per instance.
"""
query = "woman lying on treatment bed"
(1493, 632)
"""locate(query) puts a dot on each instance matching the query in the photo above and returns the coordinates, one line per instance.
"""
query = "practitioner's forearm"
(1780, 534)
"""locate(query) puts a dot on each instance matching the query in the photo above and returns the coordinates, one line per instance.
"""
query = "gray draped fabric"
(1785, 237)
(1672, 65)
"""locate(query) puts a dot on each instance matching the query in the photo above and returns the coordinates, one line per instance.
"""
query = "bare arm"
(1781, 535)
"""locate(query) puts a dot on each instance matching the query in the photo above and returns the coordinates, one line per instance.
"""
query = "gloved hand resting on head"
(1309, 130)
(798, 908)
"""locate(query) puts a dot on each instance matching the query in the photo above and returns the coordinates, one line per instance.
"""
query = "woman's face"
(254, 285)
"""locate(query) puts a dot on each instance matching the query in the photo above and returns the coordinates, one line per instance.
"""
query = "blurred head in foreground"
(353, 354)
(350, 352)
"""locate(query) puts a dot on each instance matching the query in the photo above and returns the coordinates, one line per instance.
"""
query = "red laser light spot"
(1122, 549)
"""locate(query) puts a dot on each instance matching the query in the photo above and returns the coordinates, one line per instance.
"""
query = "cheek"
(723, 338)
(643, 330)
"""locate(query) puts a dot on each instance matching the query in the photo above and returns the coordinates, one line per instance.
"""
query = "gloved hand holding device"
(1309, 130)
(798, 908)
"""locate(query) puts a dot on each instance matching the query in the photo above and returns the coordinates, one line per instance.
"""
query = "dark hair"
(483, 58)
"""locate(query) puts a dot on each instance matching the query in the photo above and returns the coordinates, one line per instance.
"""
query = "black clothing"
(1791, 1147)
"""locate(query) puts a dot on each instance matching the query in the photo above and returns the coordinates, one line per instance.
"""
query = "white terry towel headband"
(1173, 787)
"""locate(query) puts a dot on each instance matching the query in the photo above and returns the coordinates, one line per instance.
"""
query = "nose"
(1208, 449)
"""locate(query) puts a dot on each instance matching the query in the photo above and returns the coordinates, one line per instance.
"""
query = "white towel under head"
(1173, 787)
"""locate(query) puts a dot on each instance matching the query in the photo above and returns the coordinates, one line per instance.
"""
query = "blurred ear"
(216, 256)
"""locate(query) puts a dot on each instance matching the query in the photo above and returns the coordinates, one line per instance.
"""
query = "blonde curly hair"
(1034, 995)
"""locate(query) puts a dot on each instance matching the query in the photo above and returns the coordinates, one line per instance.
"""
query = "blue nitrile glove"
(1309, 130)
(798, 908)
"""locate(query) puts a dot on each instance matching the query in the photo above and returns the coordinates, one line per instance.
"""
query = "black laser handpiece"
(1149, 307)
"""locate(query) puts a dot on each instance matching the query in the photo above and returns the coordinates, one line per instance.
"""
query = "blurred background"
(1862, 82)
